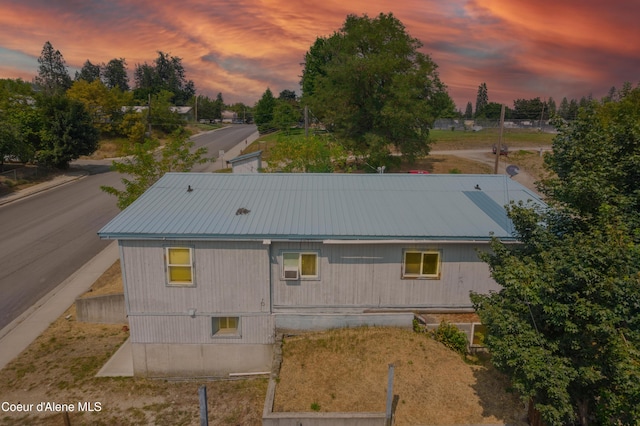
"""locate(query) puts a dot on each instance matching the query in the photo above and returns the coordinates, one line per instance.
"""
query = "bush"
(452, 337)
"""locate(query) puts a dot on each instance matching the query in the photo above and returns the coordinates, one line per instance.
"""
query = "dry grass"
(443, 164)
(345, 370)
(110, 282)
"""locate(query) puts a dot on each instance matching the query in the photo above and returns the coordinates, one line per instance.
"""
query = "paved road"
(46, 237)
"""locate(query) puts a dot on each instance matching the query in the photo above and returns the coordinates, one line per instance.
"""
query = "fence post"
(204, 415)
(389, 412)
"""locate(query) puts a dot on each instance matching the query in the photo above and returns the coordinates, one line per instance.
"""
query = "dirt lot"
(346, 370)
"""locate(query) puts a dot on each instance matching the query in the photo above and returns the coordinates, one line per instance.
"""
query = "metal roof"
(245, 156)
(321, 206)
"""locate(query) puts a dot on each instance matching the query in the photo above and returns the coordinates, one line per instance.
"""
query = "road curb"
(57, 181)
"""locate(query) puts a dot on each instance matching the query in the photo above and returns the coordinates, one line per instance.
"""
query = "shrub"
(452, 337)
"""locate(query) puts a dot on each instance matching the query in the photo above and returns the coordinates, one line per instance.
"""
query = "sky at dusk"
(521, 49)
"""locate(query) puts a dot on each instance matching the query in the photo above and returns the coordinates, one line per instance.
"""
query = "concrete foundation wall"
(199, 360)
(108, 309)
(324, 419)
(321, 321)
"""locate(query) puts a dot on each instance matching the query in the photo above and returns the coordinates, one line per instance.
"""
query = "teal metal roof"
(321, 206)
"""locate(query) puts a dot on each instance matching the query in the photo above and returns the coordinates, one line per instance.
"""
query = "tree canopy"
(145, 163)
(369, 84)
(53, 76)
(67, 131)
(566, 324)
(114, 74)
(166, 73)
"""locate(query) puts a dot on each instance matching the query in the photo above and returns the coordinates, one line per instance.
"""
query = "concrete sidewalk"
(69, 176)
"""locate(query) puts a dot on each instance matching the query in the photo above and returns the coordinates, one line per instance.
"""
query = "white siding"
(229, 278)
(370, 276)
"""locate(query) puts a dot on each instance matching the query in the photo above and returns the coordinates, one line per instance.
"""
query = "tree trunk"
(583, 412)
(535, 419)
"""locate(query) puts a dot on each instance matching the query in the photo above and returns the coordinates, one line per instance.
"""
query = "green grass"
(446, 139)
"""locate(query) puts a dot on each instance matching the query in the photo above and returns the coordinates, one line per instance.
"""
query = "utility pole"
(196, 113)
(149, 115)
(495, 169)
(306, 121)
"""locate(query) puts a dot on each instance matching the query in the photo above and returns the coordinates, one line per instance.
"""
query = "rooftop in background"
(321, 206)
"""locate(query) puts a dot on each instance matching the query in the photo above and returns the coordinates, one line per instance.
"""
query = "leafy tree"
(288, 95)
(468, 113)
(285, 115)
(482, 98)
(53, 76)
(168, 74)
(67, 132)
(370, 85)
(492, 111)
(19, 121)
(114, 75)
(104, 105)
(530, 109)
(89, 72)
(314, 154)
(552, 107)
(242, 110)
(566, 324)
(263, 111)
(218, 106)
(596, 159)
(161, 116)
(145, 163)
(443, 106)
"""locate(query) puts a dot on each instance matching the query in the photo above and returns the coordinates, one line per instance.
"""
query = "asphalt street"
(46, 237)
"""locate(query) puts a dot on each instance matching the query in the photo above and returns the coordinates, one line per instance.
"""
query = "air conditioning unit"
(290, 273)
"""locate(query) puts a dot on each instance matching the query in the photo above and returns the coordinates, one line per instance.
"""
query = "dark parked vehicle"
(503, 149)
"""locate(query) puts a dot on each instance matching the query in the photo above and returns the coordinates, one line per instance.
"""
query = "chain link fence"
(460, 124)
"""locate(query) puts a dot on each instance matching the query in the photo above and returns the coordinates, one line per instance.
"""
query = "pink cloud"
(520, 49)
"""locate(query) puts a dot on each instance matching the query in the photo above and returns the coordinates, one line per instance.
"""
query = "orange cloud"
(520, 49)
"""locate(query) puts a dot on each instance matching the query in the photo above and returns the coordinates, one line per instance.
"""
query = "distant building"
(247, 163)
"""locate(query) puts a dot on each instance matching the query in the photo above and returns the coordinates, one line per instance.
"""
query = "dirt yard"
(346, 370)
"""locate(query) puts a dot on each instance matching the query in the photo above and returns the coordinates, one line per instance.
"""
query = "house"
(214, 264)
(229, 116)
(247, 163)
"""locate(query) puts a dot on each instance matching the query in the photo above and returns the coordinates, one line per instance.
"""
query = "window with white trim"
(179, 263)
(225, 326)
(299, 265)
(421, 264)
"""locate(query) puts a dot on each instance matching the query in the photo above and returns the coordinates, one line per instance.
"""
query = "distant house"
(214, 264)
(185, 112)
(229, 116)
(247, 163)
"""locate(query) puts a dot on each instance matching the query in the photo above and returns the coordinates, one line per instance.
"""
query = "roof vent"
(242, 210)
(189, 189)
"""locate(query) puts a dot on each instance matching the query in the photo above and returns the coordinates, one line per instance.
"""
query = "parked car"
(503, 149)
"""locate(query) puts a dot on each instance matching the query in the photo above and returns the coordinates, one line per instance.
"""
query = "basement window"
(225, 326)
(421, 264)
